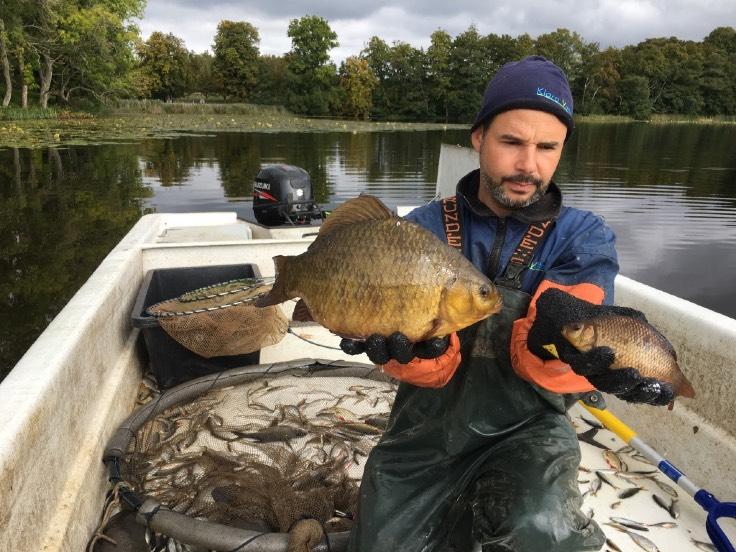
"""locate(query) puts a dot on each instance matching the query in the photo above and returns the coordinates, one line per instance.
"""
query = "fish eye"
(484, 291)
(576, 326)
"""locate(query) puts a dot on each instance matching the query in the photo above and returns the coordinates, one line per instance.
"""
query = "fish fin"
(278, 293)
(359, 209)
(301, 312)
(627, 311)
(439, 328)
(685, 389)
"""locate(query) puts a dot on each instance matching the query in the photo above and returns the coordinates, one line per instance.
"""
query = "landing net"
(221, 320)
(260, 448)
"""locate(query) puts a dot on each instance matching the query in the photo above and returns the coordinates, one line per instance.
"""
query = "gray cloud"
(608, 22)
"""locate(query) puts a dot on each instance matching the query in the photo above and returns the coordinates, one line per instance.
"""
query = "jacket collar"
(546, 208)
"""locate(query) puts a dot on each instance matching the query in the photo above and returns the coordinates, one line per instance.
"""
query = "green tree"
(672, 68)
(97, 54)
(203, 79)
(236, 57)
(566, 49)
(5, 63)
(718, 81)
(439, 80)
(723, 39)
(377, 53)
(79, 41)
(311, 80)
(634, 97)
(164, 62)
(358, 82)
(271, 84)
(597, 87)
(470, 69)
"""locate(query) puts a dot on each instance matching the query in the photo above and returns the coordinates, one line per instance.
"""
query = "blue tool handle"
(716, 510)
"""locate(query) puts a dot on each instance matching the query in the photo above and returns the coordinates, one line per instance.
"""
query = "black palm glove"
(380, 349)
(555, 309)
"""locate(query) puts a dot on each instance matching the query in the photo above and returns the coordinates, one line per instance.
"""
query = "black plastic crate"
(170, 362)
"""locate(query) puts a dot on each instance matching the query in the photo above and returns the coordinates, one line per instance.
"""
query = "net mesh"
(264, 454)
(221, 320)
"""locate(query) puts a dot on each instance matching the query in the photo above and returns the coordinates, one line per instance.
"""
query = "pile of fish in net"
(629, 496)
(276, 449)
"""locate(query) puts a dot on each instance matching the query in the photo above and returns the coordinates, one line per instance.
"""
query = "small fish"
(339, 413)
(630, 523)
(595, 486)
(615, 505)
(641, 458)
(381, 422)
(674, 508)
(605, 479)
(614, 460)
(666, 488)
(626, 493)
(612, 545)
(663, 524)
(643, 542)
(275, 433)
(708, 547)
(647, 474)
(662, 503)
(587, 437)
(592, 422)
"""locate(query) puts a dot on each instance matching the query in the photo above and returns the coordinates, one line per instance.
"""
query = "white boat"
(78, 381)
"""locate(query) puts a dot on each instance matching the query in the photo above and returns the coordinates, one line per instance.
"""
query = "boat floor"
(605, 504)
(640, 507)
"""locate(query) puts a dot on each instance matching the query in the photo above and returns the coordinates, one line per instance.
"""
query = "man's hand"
(555, 309)
(380, 349)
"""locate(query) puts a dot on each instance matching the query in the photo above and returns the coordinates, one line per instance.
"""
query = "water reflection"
(666, 190)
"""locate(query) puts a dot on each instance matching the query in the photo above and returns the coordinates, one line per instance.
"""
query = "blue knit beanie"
(531, 83)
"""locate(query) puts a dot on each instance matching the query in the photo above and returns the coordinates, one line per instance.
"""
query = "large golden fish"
(369, 271)
(635, 343)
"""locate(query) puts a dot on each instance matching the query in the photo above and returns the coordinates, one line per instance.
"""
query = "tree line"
(88, 49)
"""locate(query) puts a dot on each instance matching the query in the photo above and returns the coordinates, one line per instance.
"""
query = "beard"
(495, 188)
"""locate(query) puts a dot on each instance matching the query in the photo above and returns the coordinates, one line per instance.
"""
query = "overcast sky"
(608, 22)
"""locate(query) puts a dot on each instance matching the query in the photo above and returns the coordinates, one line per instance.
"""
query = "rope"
(246, 543)
(289, 329)
(111, 503)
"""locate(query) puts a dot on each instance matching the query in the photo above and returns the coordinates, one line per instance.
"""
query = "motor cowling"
(283, 194)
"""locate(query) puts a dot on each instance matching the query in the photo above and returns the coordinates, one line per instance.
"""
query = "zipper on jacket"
(495, 257)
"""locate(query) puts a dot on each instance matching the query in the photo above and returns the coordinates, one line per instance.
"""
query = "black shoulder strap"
(522, 256)
(451, 220)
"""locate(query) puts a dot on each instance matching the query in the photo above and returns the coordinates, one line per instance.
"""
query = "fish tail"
(685, 389)
(279, 292)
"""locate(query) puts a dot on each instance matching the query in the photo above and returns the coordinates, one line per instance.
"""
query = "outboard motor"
(283, 194)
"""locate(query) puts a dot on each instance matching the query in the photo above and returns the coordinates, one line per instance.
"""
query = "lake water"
(668, 191)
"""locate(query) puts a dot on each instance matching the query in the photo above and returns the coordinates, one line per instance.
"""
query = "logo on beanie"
(541, 91)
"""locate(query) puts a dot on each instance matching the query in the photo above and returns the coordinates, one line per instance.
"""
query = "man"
(488, 447)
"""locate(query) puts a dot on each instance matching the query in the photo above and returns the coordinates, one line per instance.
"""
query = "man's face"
(519, 153)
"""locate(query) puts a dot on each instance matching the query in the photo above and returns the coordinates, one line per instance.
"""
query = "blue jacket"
(580, 248)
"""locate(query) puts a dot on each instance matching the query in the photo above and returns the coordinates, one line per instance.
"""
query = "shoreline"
(120, 126)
